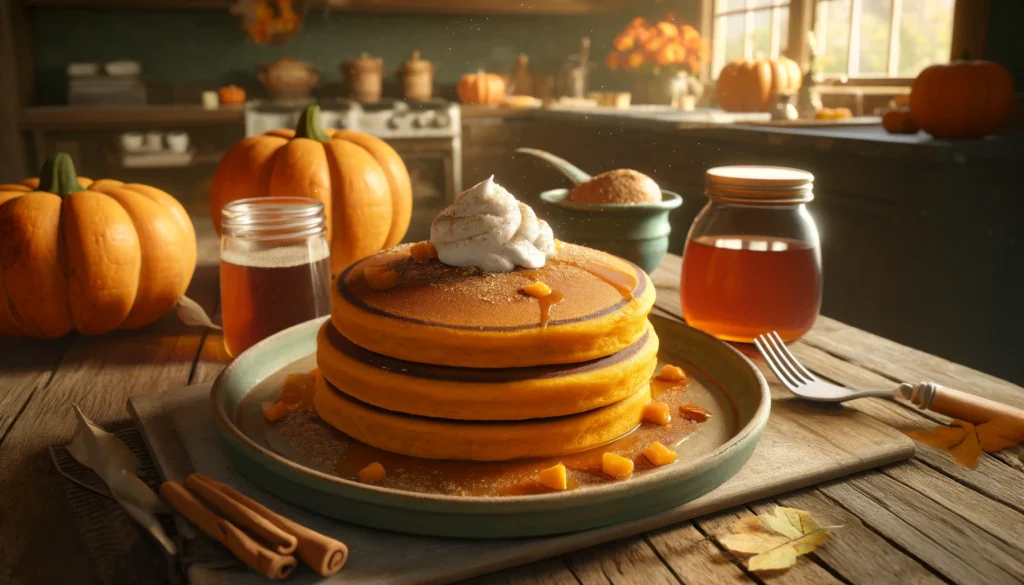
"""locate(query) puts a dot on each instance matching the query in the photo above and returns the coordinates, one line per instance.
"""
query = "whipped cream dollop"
(487, 228)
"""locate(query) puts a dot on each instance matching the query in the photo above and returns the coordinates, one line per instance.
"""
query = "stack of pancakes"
(453, 363)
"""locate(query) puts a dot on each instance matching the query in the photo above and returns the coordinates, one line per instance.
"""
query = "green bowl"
(636, 232)
(706, 459)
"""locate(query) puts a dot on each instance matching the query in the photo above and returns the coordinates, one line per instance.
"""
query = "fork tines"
(783, 364)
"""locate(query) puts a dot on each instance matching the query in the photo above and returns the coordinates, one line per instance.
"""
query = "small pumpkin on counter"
(754, 86)
(899, 122)
(361, 181)
(481, 88)
(90, 256)
(231, 95)
(963, 99)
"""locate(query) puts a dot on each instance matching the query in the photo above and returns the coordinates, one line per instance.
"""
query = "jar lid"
(416, 64)
(364, 62)
(759, 184)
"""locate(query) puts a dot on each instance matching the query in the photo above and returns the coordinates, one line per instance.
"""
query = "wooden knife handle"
(957, 404)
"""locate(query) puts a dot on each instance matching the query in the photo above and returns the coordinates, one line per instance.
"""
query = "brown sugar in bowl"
(621, 186)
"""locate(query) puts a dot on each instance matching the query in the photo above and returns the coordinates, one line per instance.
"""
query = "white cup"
(177, 141)
(211, 101)
(154, 140)
(131, 141)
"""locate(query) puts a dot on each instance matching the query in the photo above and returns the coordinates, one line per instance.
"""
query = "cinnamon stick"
(323, 554)
(261, 559)
(248, 520)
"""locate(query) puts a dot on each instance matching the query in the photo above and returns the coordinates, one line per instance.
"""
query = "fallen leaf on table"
(966, 454)
(1000, 433)
(965, 441)
(775, 540)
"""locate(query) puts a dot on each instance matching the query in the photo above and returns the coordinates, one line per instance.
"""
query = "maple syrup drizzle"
(548, 301)
(623, 281)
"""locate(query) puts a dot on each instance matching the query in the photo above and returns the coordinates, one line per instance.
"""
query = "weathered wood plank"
(853, 550)
(906, 364)
(98, 374)
(694, 558)
(630, 561)
(952, 546)
(549, 571)
(992, 477)
(26, 365)
(805, 571)
(993, 517)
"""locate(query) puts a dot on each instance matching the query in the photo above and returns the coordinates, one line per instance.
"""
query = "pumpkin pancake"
(433, 313)
(433, 438)
(484, 394)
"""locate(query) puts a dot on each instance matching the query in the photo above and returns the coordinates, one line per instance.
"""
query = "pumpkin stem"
(309, 125)
(58, 175)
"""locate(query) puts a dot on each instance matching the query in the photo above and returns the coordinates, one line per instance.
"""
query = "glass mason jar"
(752, 262)
(274, 267)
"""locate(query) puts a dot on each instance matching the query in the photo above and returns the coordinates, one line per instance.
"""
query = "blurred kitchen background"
(913, 227)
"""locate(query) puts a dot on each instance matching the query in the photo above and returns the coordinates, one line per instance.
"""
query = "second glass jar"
(752, 262)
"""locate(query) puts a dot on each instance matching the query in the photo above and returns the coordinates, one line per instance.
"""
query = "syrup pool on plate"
(738, 287)
(302, 437)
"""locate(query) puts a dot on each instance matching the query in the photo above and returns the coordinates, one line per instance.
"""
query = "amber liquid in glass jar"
(269, 291)
(738, 287)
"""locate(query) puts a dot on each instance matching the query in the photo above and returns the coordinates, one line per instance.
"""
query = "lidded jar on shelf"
(365, 78)
(417, 76)
(752, 262)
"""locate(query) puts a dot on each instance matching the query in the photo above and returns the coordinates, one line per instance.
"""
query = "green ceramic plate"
(725, 379)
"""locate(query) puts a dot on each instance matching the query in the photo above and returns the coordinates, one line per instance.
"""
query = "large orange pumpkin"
(93, 256)
(481, 88)
(754, 86)
(964, 99)
(361, 181)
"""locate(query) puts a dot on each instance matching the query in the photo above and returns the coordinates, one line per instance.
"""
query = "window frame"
(970, 23)
(776, 44)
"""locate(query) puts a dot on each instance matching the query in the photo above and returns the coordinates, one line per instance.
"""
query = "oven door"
(435, 181)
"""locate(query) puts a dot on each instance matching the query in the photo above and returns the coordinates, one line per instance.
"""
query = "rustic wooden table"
(922, 521)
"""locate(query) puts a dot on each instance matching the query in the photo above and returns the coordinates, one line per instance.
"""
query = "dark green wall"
(188, 47)
(1005, 43)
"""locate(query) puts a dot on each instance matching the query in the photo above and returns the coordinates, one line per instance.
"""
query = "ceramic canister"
(364, 75)
(417, 76)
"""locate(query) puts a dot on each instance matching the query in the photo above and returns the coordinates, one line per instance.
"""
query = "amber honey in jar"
(274, 267)
(752, 262)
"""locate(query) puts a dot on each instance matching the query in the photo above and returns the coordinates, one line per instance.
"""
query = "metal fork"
(925, 395)
(795, 377)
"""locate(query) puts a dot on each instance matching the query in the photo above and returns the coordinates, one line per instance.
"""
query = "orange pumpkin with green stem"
(90, 256)
(964, 99)
(361, 181)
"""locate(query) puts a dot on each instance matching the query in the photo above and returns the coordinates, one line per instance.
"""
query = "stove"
(427, 135)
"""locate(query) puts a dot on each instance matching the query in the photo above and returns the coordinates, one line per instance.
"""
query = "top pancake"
(437, 294)
(466, 317)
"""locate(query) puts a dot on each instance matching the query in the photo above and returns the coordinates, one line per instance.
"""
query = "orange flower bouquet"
(655, 48)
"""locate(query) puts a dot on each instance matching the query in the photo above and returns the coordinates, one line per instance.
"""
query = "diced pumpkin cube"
(657, 413)
(694, 413)
(553, 477)
(423, 251)
(659, 454)
(616, 466)
(372, 473)
(275, 412)
(537, 290)
(671, 373)
(380, 277)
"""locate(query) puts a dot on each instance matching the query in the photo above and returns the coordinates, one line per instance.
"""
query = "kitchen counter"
(79, 117)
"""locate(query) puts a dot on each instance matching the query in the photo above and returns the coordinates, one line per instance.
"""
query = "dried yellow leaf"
(1000, 433)
(775, 540)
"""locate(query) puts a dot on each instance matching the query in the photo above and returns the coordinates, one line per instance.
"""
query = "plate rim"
(488, 504)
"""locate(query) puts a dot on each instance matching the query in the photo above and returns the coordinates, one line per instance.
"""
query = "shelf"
(79, 117)
(408, 6)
